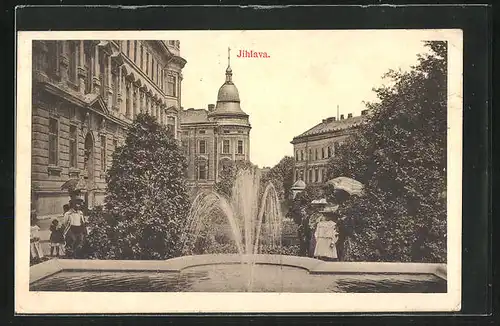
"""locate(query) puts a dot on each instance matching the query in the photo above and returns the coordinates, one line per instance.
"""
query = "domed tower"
(233, 124)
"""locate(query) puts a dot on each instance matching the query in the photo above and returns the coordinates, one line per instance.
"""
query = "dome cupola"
(228, 97)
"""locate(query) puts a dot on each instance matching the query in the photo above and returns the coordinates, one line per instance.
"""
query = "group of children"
(60, 232)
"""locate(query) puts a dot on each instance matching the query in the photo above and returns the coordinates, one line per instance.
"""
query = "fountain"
(246, 212)
(254, 217)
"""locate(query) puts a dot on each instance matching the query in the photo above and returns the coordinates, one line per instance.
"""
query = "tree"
(146, 203)
(281, 175)
(228, 174)
(400, 156)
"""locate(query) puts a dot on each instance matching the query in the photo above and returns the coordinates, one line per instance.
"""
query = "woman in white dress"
(36, 252)
(326, 238)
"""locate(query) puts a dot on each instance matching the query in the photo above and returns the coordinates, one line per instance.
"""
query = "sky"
(308, 74)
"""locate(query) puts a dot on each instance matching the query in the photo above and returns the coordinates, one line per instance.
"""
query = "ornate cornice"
(88, 102)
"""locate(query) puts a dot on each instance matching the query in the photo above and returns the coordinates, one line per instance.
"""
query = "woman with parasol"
(344, 189)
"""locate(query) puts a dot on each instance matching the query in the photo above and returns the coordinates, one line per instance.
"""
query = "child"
(35, 248)
(56, 239)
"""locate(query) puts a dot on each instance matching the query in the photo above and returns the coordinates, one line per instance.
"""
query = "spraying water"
(246, 212)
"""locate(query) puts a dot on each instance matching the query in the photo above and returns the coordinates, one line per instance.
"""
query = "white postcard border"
(27, 302)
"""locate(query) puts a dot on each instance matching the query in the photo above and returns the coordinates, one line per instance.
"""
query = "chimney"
(364, 112)
(349, 115)
(324, 120)
(211, 107)
(341, 117)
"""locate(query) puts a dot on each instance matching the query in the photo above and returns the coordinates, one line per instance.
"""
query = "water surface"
(236, 278)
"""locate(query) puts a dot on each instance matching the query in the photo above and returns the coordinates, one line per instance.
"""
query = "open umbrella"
(351, 186)
(74, 184)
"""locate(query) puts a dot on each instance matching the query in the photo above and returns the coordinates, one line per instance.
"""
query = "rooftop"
(194, 116)
(332, 124)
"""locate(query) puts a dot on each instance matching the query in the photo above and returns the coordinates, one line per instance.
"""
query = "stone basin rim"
(313, 266)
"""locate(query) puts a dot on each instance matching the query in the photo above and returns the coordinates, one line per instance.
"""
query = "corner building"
(85, 95)
(316, 146)
(214, 137)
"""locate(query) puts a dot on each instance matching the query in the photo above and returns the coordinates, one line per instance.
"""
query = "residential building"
(85, 94)
(214, 137)
(314, 147)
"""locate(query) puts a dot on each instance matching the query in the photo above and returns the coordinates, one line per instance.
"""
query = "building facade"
(85, 94)
(214, 137)
(313, 148)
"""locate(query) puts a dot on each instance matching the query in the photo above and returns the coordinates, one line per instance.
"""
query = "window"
(310, 157)
(296, 175)
(203, 147)
(142, 57)
(103, 153)
(128, 49)
(172, 91)
(226, 131)
(88, 68)
(317, 156)
(301, 155)
(102, 72)
(329, 152)
(153, 69)
(53, 57)
(323, 152)
(53, 141)
(135, 51)
(115, 88)
(225, 146)
(73, 146)
(147, 63)
(202, 171)
(171, 126)
(73, 59)
(296, 155)
(161, 80)
(157, 73)
(115, 144)
(240, 146)
(201, 131)
(316, 175)
(127, 100)
(311, 175)
(185, 147)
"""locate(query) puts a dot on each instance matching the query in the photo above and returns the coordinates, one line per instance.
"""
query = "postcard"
(238, 171)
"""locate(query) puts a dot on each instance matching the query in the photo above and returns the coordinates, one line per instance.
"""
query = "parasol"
(74, 184)
(351, 186)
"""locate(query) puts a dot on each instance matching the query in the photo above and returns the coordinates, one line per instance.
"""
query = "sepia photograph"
(191, 171)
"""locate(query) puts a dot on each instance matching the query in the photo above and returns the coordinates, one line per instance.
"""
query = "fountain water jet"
(245, 212)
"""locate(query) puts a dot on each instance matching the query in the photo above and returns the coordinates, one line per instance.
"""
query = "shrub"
(146, 201)
(400, 156)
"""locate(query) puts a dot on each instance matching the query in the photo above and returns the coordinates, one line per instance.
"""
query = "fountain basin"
(225, 273)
